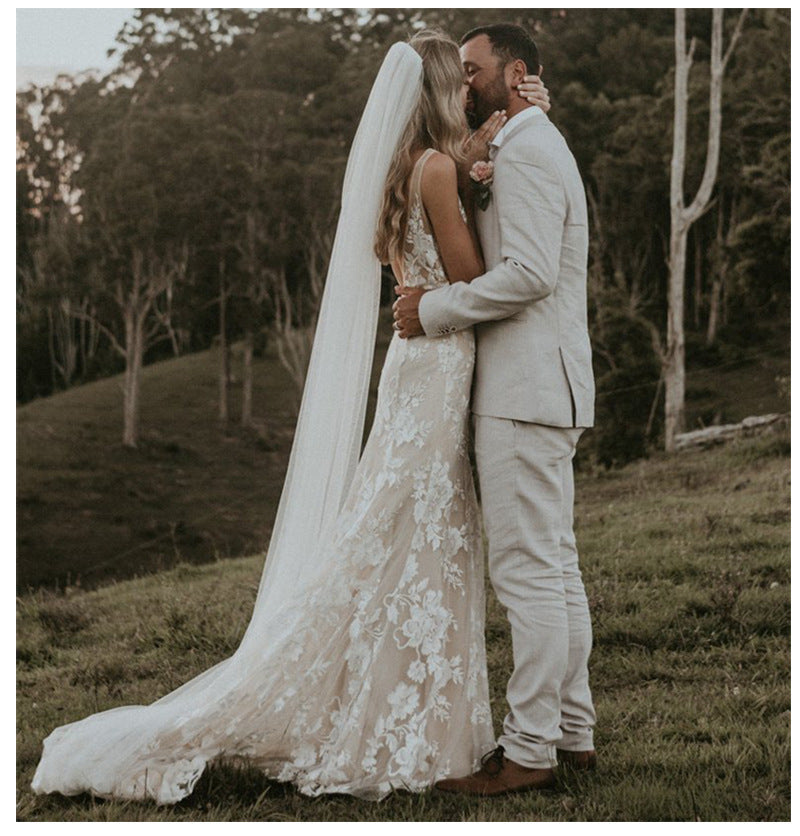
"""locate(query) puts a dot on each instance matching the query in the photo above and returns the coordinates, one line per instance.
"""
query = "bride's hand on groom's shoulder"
(532, 89)
(476, 146)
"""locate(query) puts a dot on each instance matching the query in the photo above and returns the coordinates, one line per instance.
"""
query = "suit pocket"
(573, 404)
(578, 367)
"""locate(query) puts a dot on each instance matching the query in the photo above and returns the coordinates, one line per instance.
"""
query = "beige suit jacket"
(534, 360)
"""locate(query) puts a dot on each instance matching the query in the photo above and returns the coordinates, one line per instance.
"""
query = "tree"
(681, 216)
(295, 318)
(53, 281)
(52, 254)
(143, 302)
(127, 181)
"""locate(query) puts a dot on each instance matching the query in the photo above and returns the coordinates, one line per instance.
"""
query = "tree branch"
(735, 37)
(699, 204)
(690, 53)
(96, 322)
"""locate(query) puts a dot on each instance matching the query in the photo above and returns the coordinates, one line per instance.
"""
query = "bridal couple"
(363, 668)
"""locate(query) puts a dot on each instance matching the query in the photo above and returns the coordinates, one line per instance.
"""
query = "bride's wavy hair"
(438, 122)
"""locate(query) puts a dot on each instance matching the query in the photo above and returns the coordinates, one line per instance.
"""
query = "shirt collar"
(515, 121)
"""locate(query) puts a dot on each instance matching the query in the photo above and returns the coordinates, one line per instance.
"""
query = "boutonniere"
(482, 174)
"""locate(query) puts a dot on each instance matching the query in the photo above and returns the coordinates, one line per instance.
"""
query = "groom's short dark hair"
(509, 42)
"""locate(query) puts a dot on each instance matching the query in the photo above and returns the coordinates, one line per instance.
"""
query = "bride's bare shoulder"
(438, 173)
(439, 163)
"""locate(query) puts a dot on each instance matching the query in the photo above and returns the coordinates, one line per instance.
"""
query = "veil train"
(121, 752)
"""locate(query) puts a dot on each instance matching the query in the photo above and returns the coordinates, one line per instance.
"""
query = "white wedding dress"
(382, 684)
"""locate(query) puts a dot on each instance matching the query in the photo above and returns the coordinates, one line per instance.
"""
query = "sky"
(56, 40)
(53, 40)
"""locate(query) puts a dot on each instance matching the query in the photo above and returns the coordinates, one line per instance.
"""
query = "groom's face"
(488, 88)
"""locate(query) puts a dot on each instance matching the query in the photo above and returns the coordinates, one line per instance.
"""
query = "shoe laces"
(492, 762)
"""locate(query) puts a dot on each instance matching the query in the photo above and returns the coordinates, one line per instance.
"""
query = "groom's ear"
(518, 72)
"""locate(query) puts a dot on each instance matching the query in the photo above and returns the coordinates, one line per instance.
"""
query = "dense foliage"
(223, 135)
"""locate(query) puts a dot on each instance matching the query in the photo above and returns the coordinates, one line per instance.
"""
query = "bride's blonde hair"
(437, 122)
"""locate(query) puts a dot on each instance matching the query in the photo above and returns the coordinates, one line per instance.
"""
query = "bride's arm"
(457, 241)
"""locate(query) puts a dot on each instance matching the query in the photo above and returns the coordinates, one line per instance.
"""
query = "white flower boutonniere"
(482, 174)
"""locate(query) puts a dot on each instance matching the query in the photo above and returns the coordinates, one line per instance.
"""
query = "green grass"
(686, 563)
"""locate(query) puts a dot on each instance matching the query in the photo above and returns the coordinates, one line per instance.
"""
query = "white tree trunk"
(681, 216)
(132, 377)
(720, 283)
(713, 310)
(151, 276)
(224, 353)
(66, 345)
(716, 285)
(89, 334)
(51, 348)
(294, 342)
(698, 279)
(83, 343)
(675, 360)
(247, 380)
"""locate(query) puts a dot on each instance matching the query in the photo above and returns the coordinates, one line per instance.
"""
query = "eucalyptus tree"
(682, 215)
(131, 178)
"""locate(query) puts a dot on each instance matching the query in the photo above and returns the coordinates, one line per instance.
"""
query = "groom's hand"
(406, 312)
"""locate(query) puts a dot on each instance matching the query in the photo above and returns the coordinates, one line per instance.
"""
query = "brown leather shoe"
(499, 775)
(579, 761)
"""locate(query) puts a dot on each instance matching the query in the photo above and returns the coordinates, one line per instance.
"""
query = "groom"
(533, 395)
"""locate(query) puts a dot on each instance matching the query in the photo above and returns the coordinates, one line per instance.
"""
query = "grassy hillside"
(90, 510)
(686, 563)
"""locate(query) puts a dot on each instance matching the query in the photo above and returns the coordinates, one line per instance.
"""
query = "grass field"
(686, 563)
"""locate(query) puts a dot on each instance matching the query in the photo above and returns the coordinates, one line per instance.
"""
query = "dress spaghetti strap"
(413, 197)
(416, 179)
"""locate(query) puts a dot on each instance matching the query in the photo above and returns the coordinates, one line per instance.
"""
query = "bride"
(363, 668)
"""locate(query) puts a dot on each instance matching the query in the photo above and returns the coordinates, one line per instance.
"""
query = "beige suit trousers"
(527, 494)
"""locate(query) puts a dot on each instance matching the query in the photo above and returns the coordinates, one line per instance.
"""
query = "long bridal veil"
(102, 753)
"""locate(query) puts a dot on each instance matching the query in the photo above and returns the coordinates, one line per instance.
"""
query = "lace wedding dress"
(383, 683)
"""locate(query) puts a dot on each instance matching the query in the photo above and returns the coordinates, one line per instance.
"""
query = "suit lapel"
(488, 224)
(488, 220)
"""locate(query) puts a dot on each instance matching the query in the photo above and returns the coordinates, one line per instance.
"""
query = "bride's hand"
(532, 89)
(476, 146)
